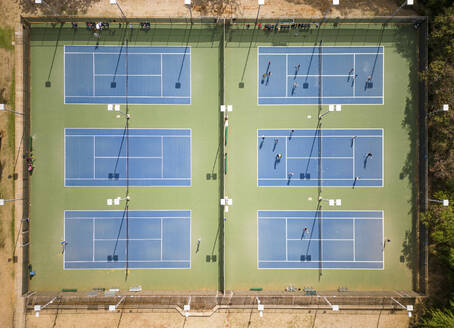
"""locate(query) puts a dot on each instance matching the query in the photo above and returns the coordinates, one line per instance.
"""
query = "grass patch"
(11, 126)
(2, 236)
(12, 228)
(6, 37)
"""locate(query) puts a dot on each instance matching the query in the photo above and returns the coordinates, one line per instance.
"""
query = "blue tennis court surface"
(156, 157)
(156, 75)
(157, 239)
(331, 157)
(320, 75)
(320, 239)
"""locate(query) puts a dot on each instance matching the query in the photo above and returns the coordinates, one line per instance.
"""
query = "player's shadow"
(262, 142)
(276, 162)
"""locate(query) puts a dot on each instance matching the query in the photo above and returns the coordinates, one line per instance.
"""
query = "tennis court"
(107, 240)
(127, 74)
(329, 157)
(320, 75)
(320, 239)
(111, 157)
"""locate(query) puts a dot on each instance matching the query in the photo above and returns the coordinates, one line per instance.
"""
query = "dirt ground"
(283, 319)
(10, 12)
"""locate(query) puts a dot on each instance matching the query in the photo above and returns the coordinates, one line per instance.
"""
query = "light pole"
(331, 108)
(4, 109)
(38, 2)
(116, 108)
(444, 109)
(115, 2)
(405, 3)
(187, 3)
(116, 201)
(3, 201)
(445, 202)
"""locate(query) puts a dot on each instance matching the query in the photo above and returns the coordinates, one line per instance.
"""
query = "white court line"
(162, 237)
(88, 179)
(162, 93)
(94, 157)
(286, 240)
(135, 53)
(312, 218)
(286, 75)
(322, 239)
(93, 238)
(129, 75)
(354, 159)
(130, 157)
(132, 97)
(317, 157)
(121, 135)
(324, 54)
(315, 179)
(354, 76)
(322, 75)
(325, 136)
(130, 217)
(130, 239)
(286, 168)
(93, 71)
(354, 239)
(123, 261)
(162, 157)
(317, 261)
(313, 97)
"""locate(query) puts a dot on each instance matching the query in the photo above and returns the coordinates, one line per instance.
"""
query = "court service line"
(129, 54)
(130, 157)
(93, 71)
(93, 241)
(132, 97)
(162, 156)
(312, 97)
(130, 239)
(286, 75)
(324, 54)
(354, 239)
(286, 239)
(94, 157)
(322, 239)
(161, 79)
(286, 159)
(95, 179)
(311, 179)
(129, 75)
(354, 76)
(317, 157)
(354, 159)
(162, 236)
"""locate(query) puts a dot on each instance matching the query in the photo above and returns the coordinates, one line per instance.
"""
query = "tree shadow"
(217, 7)
(406, 43)
(372, 8)
(57, 7)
